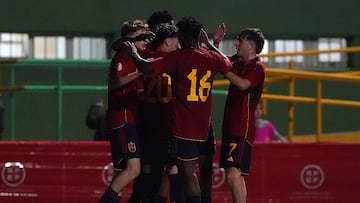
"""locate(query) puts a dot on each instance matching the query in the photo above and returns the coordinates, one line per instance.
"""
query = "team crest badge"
(132, 147)
(119, 67)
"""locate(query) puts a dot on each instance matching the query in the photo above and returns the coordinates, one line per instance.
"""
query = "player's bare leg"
(130, 173)
(168, 185)
(173, 180)
(237, 185)
(164, 188)
(120, 180)
(189, 181)
(139, 185)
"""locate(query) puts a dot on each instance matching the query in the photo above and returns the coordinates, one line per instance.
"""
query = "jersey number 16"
(204, 86)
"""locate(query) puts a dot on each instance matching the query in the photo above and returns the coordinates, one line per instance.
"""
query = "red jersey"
(240, 105)
(122, 102)
(156, 109)
(192, 72)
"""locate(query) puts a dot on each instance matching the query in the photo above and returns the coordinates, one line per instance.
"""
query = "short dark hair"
(189, 30)
(163, 31)
(253, 34)
(130, 27)
(159, 17)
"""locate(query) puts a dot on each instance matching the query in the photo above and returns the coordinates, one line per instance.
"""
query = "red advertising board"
(72, 172)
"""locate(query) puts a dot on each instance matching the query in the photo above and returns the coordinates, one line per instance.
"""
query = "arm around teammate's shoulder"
(143, 65)
(238, 81)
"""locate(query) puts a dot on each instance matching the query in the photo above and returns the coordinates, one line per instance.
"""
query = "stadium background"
(35, 110)
(57, 171)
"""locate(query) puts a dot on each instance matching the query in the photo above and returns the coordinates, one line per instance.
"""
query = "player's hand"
(128, 49)
(118, 44)
(147, 36)
(219, 34)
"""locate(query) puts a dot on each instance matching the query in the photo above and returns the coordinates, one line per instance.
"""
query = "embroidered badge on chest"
(119, 67)
(132, 147)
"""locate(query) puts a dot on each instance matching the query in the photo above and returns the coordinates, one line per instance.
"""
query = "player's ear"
(252, 45)
(167, 42)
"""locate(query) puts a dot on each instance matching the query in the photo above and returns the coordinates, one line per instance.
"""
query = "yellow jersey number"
(204, 86)
(156, 91)
(232, 148)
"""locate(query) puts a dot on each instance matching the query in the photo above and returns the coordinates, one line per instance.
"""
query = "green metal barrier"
(59, 87)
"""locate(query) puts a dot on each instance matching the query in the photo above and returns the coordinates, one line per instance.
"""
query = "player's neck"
(249, 57)
(162, 48)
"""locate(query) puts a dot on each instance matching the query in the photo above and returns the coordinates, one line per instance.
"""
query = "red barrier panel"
(73, 172)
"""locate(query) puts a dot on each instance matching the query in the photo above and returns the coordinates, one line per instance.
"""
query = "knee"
(135, 172)
(232, 175)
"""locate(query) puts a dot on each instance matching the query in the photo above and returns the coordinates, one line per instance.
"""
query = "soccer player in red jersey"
(123, 98)
(159, 101)
(155, 132)
(192, 70)
(239, 122)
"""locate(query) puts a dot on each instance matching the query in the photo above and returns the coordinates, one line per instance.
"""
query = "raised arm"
(143, 65)
(219, 34)
(238, 81)
(203, 37)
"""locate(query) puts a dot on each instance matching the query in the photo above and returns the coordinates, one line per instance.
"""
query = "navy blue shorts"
(210, 144)
(188, 150)
(124, 145)
(154, 153)
(235, 152)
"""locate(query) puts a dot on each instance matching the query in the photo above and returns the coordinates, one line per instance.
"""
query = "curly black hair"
(159, 17)
(189, 30)
(163, 31)
(253, 34)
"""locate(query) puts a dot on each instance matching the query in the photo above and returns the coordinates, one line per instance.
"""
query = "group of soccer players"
(159, 109)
